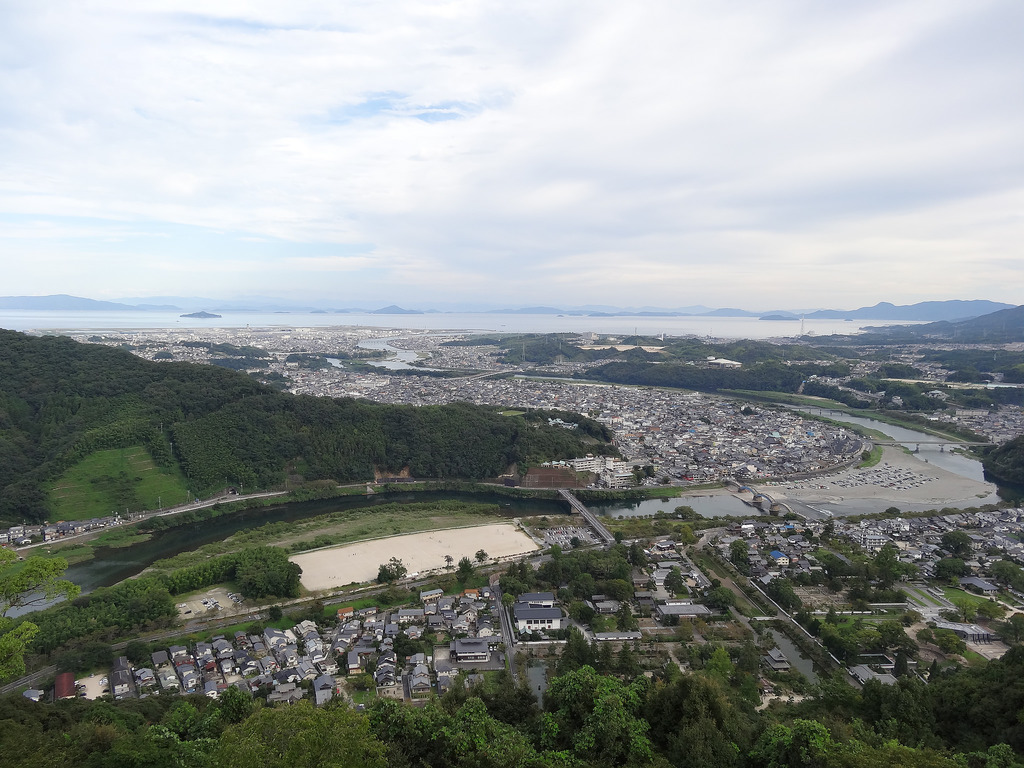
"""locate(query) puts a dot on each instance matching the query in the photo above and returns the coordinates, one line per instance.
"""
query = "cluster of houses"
(276, 661)
(536, 612)
(367, 641)
(664, 557)
(919, 538)
(23, 535)
(773, 549)
(690, 436)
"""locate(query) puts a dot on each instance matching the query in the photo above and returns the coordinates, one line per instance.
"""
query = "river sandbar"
(898, 478)
(335, 567)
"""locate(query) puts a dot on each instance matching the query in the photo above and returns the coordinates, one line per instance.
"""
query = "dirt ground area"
(218, 601)
(820, 597)
(95, 685)
(899, 478)
(356, 563)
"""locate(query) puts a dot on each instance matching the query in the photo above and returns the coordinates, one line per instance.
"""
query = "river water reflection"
(706, 505)
(112, 565)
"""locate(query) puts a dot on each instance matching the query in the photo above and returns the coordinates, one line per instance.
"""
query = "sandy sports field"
(337, 566)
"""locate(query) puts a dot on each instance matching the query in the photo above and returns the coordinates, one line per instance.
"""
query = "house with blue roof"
(779, 558)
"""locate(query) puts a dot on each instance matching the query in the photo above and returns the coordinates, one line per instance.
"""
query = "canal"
(800, 663)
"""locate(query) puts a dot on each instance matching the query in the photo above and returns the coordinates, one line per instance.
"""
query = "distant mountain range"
(62, 301)
(927, 311)
(1004, 326)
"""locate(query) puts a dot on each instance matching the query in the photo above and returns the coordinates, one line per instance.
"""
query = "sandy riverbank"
(898, 478)
(337, 566)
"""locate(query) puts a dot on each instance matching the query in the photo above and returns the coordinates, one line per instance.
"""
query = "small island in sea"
(201, 315)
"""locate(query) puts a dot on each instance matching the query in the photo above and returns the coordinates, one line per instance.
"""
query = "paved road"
(509, 637)
(140, 516)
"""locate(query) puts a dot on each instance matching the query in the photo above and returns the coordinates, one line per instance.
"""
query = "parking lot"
(216, 600)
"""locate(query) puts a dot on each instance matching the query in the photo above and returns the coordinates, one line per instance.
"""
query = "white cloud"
(662, 152)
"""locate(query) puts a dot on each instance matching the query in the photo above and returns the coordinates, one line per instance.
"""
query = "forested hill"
(1006, 462)
(1004, 326)
(60, 401)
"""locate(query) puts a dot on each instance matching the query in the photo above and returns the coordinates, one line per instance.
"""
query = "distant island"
(394, 310)
(201, 315)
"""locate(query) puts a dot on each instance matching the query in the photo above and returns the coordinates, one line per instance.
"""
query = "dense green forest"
(1006, 462)
(61, 400)
(548, 348)
(763, 377)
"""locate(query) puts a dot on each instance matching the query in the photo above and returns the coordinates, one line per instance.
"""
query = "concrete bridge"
(589, 516)
(941, 443)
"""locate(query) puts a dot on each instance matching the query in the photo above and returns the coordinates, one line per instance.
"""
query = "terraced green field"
(114, 480)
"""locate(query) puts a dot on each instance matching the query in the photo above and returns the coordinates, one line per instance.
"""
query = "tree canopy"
(60, 401)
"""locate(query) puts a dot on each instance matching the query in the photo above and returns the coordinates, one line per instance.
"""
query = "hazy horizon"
(425, 154)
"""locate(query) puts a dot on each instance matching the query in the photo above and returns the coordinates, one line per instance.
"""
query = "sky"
(747, 154)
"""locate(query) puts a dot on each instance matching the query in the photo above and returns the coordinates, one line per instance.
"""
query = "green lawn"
(363, 697)
(873, 459)
(113, 481)
(955, 595)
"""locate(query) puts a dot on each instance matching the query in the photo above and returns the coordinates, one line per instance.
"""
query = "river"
(951, 461)
(725, 504)
(401, 359)
(705, 505)
(114, 564)
(957, 463)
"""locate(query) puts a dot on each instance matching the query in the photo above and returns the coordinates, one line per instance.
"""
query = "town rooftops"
(864, 673)
(979, 584)
(524, 611)
(537, 599)
(683, 609)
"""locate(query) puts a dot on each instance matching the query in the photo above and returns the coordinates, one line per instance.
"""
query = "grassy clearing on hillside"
(113, 481)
